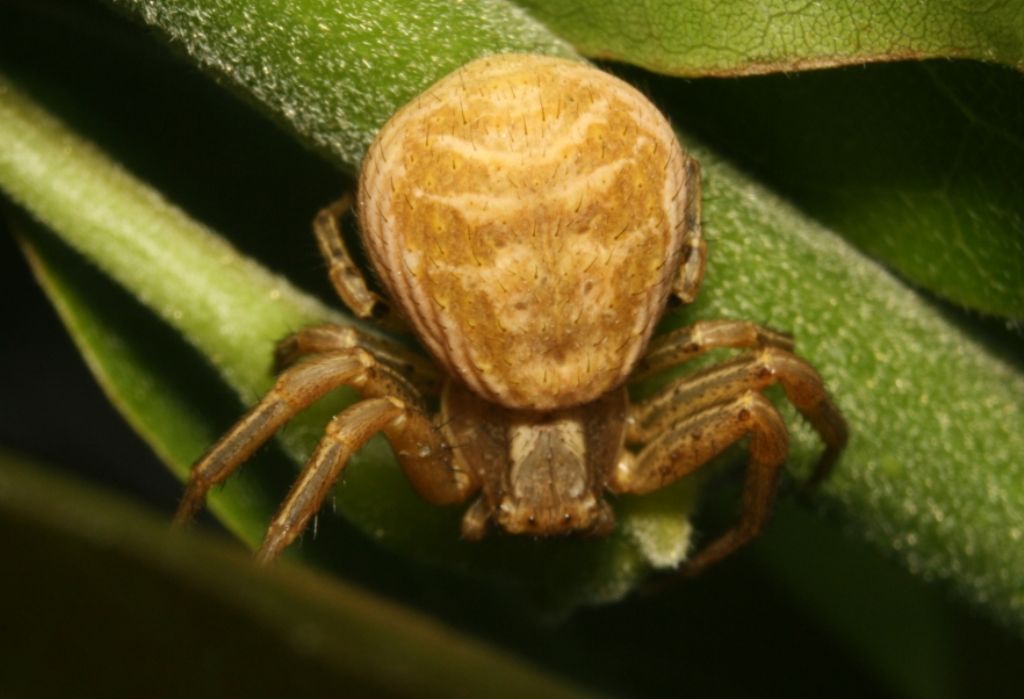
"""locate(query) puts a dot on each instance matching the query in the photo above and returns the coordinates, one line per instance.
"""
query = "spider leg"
(422, 451)
(476, 520)
(674, 348)
(752, 372)
(695, 251)
(318, 339)
(295, 389)
(348, 280)
(698, 438)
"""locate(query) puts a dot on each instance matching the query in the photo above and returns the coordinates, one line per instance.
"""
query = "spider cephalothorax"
(528, 218)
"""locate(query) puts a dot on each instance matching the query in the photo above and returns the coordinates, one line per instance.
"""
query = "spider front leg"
(348, 280)
(421, 450)
(684, 344)
(699, 438)
(694, 251)
(318, 339)
(695, 418)
(751, 372)
(390, 404)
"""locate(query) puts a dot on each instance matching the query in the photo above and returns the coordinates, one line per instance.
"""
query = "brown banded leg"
(679, 346)
(424, 455)
(318, 339)
(752, 372)
(695, 251)
(348, 280)
(295, 390)
(698, 438)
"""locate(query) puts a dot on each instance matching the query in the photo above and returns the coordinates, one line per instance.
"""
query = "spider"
(528, 219)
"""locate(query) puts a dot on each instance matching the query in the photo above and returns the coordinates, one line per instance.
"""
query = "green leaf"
(335, 70)
(921, 165)
(744, 37)
(932, 472)
(172, 403)
(210, 621)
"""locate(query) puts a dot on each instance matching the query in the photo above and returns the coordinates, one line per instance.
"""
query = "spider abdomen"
(525, 214)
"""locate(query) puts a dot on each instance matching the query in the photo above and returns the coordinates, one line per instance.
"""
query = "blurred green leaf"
(174, 404)
(744, 37)
(211, 623)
